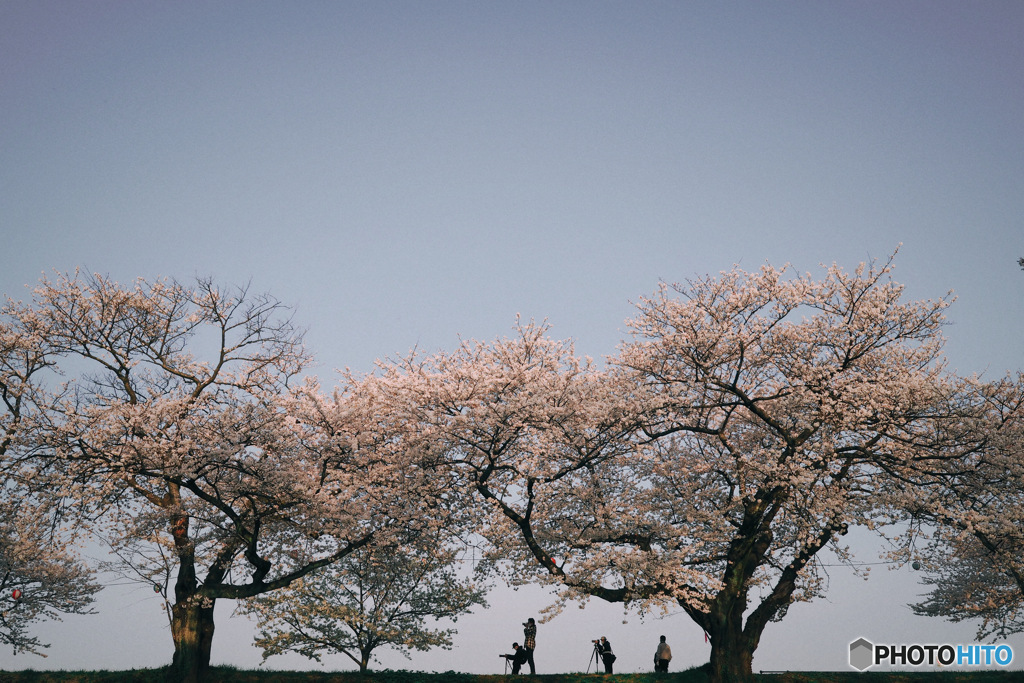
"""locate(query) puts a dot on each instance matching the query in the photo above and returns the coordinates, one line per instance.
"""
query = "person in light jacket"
(662, 657)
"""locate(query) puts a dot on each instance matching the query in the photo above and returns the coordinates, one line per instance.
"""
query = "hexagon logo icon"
(861, 654)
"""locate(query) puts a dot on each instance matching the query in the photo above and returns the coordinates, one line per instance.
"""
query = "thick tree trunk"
(731, 667)
(732, 655)
(192, 630)
(732, 649)
(192, 613)
(732, 643)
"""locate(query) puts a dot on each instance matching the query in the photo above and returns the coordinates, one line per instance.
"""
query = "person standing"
(662, 656)
(530, 641)
(604, 648)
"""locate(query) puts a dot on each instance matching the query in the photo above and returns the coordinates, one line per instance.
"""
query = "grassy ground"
(232, 675)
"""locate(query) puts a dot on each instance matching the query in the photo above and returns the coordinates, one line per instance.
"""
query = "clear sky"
(406, 173)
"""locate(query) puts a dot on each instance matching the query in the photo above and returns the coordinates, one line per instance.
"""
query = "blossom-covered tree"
(181, 428)
(743, 430)
(776, 404)
(521, 427)
(968, 582)
(376, 597)
(40, 576)
(968, 513)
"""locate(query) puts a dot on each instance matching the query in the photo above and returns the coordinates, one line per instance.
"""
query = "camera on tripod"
(601, 654)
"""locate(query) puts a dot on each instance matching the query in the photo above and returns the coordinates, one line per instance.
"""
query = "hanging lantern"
(16, 594)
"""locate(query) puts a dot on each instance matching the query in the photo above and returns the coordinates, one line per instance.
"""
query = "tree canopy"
(749, 422)
(743, 430)
(376, 597)
(184, 432)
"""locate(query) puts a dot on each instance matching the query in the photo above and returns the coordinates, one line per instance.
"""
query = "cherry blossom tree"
(40, 575)
(967, 584)
(183, 434)
(377, 597)
(520, 426)
(776, 405)
(40, 578)
(968, 513)
(744, 429)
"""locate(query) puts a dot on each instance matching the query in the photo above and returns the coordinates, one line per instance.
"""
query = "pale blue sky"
(406, 173)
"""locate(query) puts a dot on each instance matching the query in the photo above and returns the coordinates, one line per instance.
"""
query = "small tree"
(377, 597)
(969, 512)
(40, 576)
(969, 584)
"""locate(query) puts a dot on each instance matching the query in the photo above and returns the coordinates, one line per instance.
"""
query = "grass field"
(232, 675)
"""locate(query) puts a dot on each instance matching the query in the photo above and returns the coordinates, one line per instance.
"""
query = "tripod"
(595, 658)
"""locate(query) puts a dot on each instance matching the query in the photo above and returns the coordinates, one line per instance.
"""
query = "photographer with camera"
(517, 659)
(530, 641)
(603, 648)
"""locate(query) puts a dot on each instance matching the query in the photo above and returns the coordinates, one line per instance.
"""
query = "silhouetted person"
(530, 641)
(607, 656)
(517, 658)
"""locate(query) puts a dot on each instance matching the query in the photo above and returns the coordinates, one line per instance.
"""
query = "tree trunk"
(732, 644)
(192, 630)
(732, 655)
(192, 613)
(732, 649)
(732, 667)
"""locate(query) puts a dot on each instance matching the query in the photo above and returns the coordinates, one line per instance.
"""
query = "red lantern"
(16, 594)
